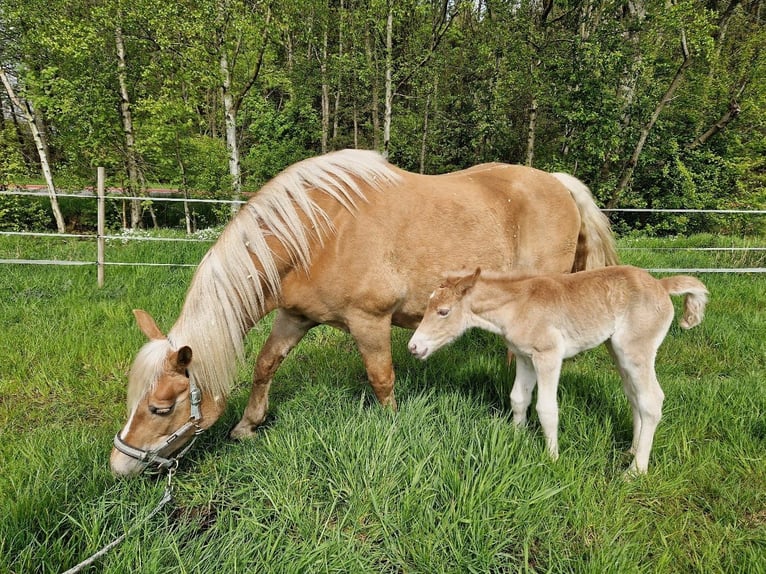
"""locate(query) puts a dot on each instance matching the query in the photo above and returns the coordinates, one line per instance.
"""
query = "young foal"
(548, 318)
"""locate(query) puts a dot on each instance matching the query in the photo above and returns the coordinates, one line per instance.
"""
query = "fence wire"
(125, 238)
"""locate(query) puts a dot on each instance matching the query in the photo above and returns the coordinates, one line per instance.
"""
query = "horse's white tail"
(695, 300)
(595, 245)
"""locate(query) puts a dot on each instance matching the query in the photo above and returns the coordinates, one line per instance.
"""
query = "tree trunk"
(325, 92)
(531, 128)
(39, 140)
(424, 139)
(389, 98)
(233, 102)
(356, 126)
(127, 128)
(339, 80)
(730, 115)
(630, 166)
(374, 103)
(230, 121)
(184, 186)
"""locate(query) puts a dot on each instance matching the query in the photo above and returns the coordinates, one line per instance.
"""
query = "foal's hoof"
(633, 473)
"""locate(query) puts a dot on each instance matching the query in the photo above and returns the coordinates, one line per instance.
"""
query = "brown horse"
(348, 240)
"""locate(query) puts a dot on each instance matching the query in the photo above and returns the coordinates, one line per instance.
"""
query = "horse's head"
(445, 317)
(164, 412)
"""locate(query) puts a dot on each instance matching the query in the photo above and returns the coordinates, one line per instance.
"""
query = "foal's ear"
(466, 283)
(147, 325)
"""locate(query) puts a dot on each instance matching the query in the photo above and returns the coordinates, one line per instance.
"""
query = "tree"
(29, 115)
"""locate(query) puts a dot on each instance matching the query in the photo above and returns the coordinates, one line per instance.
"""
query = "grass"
(333, 483)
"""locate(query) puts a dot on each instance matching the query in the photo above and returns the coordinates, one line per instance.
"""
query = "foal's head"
(158, 400)
(446, 317)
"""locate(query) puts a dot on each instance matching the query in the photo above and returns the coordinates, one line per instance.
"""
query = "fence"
(101, 236)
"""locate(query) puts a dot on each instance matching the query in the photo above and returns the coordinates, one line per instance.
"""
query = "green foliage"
(280, 132)
(21, 213)
(464, 76)
(12, 164)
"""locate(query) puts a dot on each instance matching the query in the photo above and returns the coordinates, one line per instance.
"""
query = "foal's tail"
(595, 244)
(695, 300)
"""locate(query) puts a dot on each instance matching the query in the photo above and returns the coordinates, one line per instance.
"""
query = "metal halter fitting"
(149, 457)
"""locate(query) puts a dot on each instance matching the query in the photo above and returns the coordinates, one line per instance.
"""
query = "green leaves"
(462, 92)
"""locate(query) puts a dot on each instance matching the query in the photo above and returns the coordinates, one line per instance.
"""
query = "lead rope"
(167, 496)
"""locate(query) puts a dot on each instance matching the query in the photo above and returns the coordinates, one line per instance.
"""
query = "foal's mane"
(228, 291)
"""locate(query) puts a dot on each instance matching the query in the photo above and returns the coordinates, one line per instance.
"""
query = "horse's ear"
(184, 357)
(147, 325)
(467, 282)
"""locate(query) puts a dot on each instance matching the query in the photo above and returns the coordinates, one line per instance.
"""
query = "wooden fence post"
(101, 225)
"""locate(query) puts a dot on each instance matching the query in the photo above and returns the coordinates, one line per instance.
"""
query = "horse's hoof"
(243, 431)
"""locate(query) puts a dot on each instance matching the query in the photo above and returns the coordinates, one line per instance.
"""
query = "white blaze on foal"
(547, 318)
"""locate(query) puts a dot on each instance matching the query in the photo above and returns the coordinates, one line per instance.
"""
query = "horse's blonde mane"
(228, 292)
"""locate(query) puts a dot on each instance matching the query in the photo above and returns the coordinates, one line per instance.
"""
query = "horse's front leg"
(523, 385)
(287, 331)
(373, 338)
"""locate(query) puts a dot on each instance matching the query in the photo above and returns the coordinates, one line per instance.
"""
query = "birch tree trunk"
(127, 129)
(233, 98)
(389, 98)
(39, 139)
(230, 122)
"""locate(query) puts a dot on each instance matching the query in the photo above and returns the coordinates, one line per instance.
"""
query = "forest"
(653, 103)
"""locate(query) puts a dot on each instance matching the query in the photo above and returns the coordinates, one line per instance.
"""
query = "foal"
(547, 318)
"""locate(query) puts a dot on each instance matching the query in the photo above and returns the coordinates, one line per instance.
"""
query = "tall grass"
(334, 483)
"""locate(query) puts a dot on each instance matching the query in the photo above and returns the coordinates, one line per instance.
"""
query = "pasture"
(334, 483)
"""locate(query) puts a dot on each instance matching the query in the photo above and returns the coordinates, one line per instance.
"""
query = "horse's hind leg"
(548, 369)
(286, 332)
(373, 338)
(628, 388)
(647, 397)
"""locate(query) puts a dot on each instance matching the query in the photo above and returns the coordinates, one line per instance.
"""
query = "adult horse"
(348, 240)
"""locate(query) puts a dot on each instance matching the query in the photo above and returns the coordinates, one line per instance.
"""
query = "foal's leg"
(373, 338)
(521, 393)
(548, 369)
(628, 388)
(286, 332)
(637, 361)
(649, 398)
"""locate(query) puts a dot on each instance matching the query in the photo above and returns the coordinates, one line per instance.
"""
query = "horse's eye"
(442, 312)
(160, 411)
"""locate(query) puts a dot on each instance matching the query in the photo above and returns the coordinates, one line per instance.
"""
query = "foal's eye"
(160, 411)
(442, 312)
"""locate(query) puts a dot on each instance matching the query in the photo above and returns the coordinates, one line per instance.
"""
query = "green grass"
(333, 483)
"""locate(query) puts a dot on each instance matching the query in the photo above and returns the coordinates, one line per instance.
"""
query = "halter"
(152, 456)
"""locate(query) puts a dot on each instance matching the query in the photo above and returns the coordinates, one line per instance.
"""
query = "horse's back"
(386, 256)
